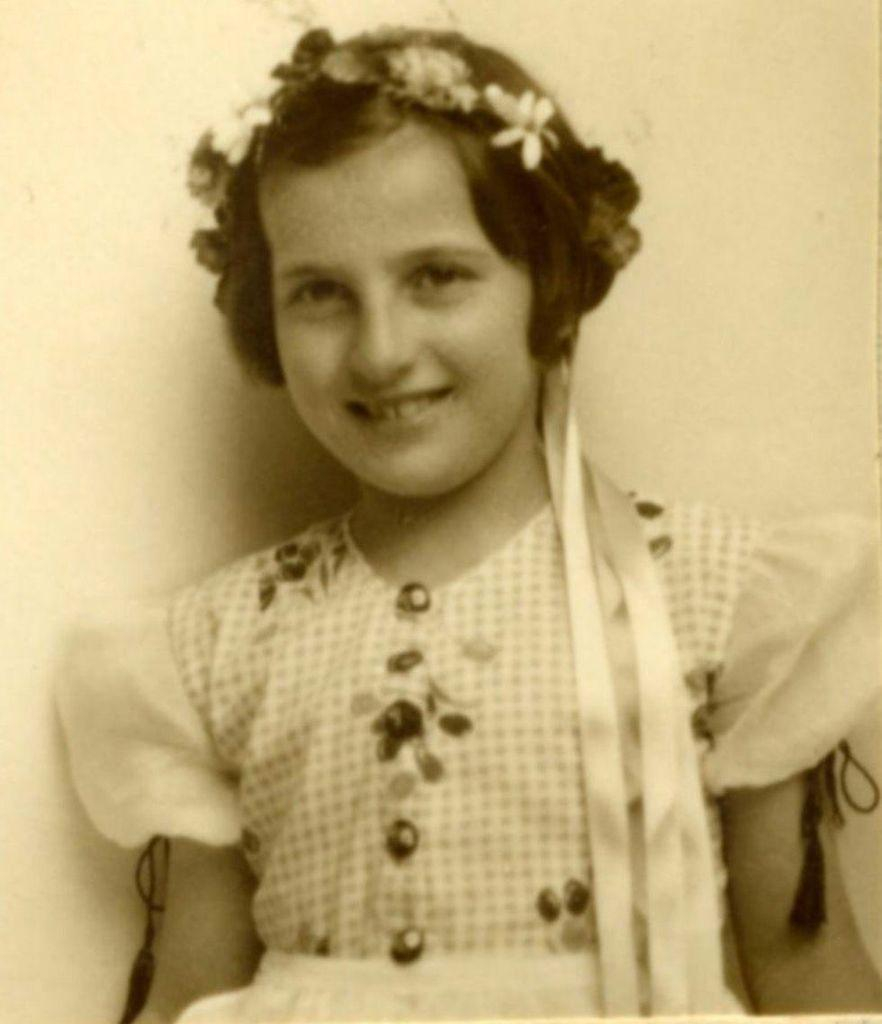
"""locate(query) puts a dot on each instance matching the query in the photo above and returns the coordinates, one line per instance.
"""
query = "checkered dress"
(409, 760)
(402, 765)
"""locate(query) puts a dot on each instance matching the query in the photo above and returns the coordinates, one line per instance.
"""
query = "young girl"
(462, 752)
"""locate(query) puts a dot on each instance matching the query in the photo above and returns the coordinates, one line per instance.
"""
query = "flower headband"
(411, 69)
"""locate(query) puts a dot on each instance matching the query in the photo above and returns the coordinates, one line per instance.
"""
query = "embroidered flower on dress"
(569, 915)
(527, 118)
(648, 509)
(293, 562)
(701, 683)
(411, 719)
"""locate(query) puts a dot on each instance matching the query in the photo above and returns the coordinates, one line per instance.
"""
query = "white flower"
(233, 135)
(527, 117)
(433, 77)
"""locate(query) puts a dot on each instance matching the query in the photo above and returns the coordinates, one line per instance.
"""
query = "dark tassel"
(151, 877)
(809, 910)
(140, 980)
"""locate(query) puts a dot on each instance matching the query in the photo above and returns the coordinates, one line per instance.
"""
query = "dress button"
(407, 945)
(402, 839)
(404, 661)
(413, 597)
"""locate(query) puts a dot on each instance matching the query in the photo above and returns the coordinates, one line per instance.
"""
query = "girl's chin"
(418, 479)
(411, 489)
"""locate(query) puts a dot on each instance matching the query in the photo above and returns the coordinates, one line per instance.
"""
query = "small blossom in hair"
(211, 249)
(527, 117)
(208, 174)
(233, 136)
(433, 77)
(610, 233)
(348, 67)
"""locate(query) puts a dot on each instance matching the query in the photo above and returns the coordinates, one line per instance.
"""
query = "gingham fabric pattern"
(408, 760)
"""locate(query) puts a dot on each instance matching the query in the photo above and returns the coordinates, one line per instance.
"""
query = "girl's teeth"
(404, 409)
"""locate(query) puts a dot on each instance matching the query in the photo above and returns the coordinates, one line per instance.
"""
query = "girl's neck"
(436, 539)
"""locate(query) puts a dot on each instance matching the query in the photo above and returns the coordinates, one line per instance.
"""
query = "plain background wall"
(733, 361)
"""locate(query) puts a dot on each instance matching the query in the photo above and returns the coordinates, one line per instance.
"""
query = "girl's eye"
(438, 277)
(317, 295)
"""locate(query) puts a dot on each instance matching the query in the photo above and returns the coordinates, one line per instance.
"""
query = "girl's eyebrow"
(286, 273)
(411, 256)
(446, 252)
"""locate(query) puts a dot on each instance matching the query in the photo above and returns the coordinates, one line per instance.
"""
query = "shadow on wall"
(284, 478)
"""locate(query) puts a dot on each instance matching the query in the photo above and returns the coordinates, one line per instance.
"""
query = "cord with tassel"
(151, 878)
(809, 909)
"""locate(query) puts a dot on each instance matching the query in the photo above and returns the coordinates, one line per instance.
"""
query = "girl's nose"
(382, 349)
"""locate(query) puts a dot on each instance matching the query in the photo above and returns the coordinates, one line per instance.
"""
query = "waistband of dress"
(485, 971)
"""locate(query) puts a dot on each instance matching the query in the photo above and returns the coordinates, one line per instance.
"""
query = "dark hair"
(561, 220)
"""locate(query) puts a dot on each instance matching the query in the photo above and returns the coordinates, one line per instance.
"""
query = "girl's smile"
(402, 331)
(407, 408)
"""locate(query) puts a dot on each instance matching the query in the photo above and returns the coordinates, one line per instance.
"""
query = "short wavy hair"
(566, 221)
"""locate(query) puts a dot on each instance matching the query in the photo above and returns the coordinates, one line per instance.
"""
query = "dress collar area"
(538, 529)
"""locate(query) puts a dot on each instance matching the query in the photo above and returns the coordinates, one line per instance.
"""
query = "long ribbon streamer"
(685, 956)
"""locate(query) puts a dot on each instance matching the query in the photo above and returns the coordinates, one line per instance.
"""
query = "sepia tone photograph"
(442, 518)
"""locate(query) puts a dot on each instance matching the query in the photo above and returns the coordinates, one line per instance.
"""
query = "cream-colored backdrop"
(733, 361)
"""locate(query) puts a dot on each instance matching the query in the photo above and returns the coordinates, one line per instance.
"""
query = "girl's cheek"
(314, 347)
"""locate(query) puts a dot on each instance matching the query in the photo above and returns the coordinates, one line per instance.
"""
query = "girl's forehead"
(406, 189)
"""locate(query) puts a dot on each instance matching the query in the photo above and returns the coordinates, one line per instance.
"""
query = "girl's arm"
(786, 971)
(207, 941)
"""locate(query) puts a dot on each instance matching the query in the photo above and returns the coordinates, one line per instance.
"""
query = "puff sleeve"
(142, 760)
(803, 658)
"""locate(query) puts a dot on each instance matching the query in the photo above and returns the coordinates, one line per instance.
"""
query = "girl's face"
(401, 330)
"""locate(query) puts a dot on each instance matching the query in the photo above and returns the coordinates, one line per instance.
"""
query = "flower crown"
(411, 69)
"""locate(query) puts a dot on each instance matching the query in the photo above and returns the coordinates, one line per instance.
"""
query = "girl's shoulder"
(305, 565)
(705, 555)
(221, 627)
(777, 622)
(715, 561)
(156, 698)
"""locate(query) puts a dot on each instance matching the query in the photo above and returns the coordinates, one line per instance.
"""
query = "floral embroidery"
(660, 545)
(292, 563)
(701, 682)
(649, 509)
(400, 722)
(409, 720)
(476, 649)
(569, 915)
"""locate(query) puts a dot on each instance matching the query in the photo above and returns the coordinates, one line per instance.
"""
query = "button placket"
(403, 725)
(413, 599)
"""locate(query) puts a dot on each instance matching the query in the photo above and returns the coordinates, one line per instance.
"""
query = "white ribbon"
(685, 953)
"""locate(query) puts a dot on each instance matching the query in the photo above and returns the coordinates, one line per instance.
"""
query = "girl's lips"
(408, 408)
